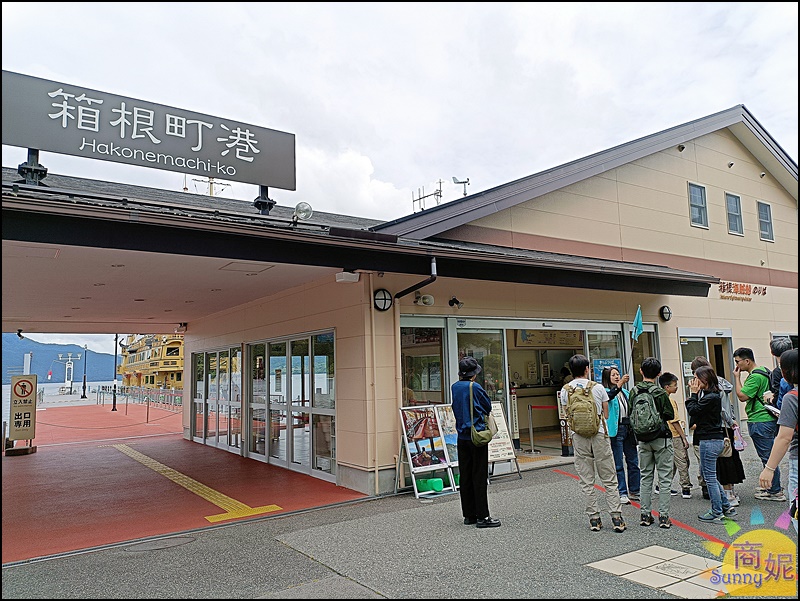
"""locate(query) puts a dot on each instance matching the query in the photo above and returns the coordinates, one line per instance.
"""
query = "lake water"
(53, 388)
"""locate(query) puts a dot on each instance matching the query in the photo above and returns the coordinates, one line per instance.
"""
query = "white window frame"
(704, 207)
(731, 229)
(759, 204)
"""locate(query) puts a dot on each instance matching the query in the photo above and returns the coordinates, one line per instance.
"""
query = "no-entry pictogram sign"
(22, 424)
(24, 388)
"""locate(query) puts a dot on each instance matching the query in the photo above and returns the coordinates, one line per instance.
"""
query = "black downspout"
(419, 285)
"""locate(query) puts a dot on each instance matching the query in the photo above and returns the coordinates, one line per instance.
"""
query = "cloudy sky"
(387, 99)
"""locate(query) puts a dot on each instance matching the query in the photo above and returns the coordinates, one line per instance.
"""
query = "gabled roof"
(432, 222)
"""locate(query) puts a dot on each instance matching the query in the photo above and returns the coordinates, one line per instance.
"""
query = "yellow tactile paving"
(233, 508)
(526, 459)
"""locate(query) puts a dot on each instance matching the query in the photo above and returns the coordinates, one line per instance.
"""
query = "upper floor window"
(733, 205)
(765, 222)
(697, 205)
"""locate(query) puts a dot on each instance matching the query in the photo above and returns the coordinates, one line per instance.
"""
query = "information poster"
(501, 448)
(423, 439)
(447, 426)
(598, 365)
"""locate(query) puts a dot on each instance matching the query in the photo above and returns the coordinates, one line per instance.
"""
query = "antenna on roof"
(421, 196)
(465, 182)
(210, 181)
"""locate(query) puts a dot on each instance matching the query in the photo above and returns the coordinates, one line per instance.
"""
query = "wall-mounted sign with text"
(740, 292)
(69, 119)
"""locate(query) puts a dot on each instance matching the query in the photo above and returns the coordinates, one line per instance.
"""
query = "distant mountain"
(99, 366)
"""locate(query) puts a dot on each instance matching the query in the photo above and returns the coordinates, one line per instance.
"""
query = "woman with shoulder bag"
(704, 406)
(473, 461)
(623, 442)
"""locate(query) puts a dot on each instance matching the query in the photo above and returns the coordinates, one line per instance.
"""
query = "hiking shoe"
(624, 500)
(730, 513)
(773, 496)
(487, 523)
(710, 516)
(619, 524)
(646, 519)
(686, 493)
(634, 496)
(664, 521)
(595, 524)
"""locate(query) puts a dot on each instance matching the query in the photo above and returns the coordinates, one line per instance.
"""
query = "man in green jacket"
(761, 424)
(655, 454)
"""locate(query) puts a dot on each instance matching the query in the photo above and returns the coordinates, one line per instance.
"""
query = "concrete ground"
(399, 546)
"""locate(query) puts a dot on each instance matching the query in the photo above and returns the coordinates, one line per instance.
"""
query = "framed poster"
(423, 439)
(598, 365)
(447, 426)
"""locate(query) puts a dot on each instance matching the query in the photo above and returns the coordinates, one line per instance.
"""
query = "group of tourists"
(632, 443)
(641, 443)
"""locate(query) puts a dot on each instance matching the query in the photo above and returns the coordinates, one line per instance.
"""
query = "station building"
(312, 334)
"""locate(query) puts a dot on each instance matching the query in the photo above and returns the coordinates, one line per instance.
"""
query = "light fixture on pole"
(85, 357)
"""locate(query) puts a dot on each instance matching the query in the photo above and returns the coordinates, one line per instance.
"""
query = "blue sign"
(599, 364)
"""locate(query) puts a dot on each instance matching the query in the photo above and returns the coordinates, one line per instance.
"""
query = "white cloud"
(97, 343)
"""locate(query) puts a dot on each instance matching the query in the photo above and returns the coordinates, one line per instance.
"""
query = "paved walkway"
(398, 546)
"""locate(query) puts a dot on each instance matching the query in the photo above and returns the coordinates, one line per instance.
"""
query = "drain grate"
(163, 543)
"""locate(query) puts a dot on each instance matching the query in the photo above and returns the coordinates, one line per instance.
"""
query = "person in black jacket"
(704, 406)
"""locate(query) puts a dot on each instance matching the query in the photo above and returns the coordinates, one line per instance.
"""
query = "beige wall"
(640, 212)
(637, 212)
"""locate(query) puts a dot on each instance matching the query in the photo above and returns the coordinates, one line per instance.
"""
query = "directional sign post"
(23, 413)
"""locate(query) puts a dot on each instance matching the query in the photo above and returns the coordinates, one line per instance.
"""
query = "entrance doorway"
(714, 345)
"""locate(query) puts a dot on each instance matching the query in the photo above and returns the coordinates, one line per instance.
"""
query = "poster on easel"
(424, 442)
(447, 426)
(501, 447)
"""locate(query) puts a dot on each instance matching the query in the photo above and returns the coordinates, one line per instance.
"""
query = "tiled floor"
(675, 572)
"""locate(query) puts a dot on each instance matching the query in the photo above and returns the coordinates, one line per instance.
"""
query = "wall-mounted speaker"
(426, 299)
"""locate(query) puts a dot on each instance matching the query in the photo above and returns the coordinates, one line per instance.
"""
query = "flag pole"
(638, 328)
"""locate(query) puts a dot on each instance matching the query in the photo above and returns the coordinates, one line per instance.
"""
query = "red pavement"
(80, 491)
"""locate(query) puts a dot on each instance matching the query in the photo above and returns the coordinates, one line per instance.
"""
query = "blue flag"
(637, 324)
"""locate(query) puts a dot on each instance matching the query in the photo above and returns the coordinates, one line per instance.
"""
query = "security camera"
(762, 174)
(19, 334)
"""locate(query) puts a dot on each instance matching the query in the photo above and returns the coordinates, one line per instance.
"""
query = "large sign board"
(78, 121)
(23, 408)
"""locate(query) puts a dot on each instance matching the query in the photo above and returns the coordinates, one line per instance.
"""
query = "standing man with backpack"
(650, 410)
(761, 424)
(586, 404)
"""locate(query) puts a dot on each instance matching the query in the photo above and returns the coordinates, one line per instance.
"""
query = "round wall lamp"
(665, 312)
(383, 299)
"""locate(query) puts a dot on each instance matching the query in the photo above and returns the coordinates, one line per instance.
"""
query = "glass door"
(199, 397)
(257, 408)
(486, 346)
(235, 416)
(279, 378)
(212, 401)
(223, 399)
(300, 386)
